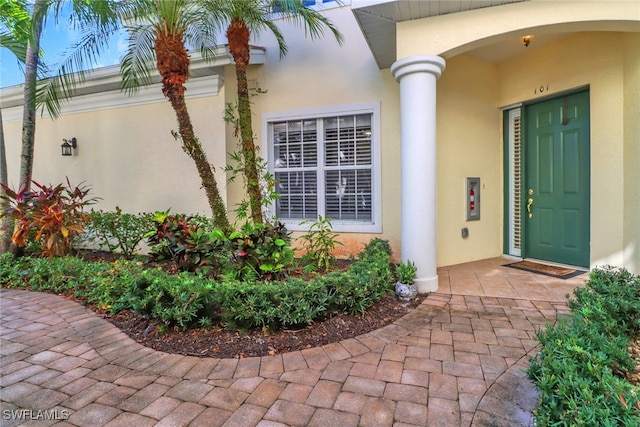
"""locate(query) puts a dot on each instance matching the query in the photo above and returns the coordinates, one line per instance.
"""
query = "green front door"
(556, 193)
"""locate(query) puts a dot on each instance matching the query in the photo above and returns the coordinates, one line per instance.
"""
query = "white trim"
(101, 89)
(511, 107)
(196, 88)
(373, 108)
(513, 115)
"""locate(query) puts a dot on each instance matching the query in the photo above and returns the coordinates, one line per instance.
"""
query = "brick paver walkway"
(454, 361)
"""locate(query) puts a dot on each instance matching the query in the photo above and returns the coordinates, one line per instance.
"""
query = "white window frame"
(514, 113)
(343, 226)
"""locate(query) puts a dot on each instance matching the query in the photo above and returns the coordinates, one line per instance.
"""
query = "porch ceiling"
(377, 19)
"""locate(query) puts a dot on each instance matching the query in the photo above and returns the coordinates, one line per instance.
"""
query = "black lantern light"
(67, 145)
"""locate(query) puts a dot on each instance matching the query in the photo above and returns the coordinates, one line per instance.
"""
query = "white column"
(417, 77)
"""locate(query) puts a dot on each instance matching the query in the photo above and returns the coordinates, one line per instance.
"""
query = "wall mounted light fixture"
(68, 145)
(526, 40)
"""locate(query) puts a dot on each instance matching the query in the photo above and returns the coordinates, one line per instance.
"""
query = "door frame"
(515, 115)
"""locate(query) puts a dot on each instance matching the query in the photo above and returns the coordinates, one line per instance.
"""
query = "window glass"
(323, 166)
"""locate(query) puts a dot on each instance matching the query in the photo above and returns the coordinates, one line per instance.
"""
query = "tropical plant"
(159, 33)
(406, 272)
(244, 18)
(319, 244)
(186, 300)
(15, 22)
(6, 224)
(260, 251)
(188, 240)
(55, 214)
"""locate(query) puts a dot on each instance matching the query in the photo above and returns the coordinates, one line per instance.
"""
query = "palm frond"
(282, 45)
(72, 70)
(139, 59)
(18, 48)
(313, 21)
(15, 17)
(202, 34)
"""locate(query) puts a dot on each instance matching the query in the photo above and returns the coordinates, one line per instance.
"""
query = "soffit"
(377, 19)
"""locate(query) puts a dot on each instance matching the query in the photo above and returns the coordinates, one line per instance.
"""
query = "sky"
(56, 38)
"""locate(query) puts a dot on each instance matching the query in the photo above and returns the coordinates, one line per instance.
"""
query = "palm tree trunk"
(6, 225)
(238, 36)
(29, 109)
(193, 148)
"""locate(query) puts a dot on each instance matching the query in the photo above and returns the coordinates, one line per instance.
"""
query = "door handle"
(529, 203)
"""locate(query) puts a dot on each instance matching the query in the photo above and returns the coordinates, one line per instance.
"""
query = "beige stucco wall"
(594, 60)
(631, 237)
(322, 74)
(127, 155)
(595, 53)
(470, 95)
(468, 145)
(479, 27)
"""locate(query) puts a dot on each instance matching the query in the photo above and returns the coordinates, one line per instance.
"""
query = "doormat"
(547, 270)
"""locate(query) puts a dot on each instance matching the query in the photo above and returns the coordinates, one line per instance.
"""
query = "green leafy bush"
(319, 244)
(374, 246)
(575, 369)
(406, 272)
(181, 299)
(363, 284)
(185, 300)
(191, 241)
(271, 305)
(297, 302)
(118, 231)
(259, 252)
(176, 300)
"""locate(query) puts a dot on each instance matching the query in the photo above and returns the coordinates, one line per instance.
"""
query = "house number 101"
(541, 89)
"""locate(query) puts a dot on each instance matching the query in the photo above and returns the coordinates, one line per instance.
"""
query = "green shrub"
(406, 272)
(612, 299)
(178, 300)
(319, 244)
(574, 370)
(190, 241)
(259, 252)
(375, 246)
(188, 299)
(271, 305)
(366, 281)
(117, 231)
